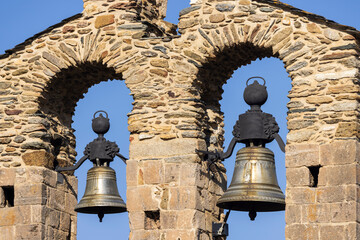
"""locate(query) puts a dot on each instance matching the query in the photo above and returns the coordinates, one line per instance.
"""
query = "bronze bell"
(101, 193)
(254, 187)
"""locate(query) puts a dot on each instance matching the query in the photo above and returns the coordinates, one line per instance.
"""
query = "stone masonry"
(176, 83)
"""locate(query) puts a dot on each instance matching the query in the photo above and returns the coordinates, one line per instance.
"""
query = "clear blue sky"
(21, 19)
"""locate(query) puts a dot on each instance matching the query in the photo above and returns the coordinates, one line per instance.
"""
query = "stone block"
(316, 213)
(39, 158)
(297, 177)
(293, 214)
(141, 199)
(331, 194)
(172, 173)
(190, 175)
(144, 235)
(65, 222)
(70, 203)
(298, 155)
(73, 226)
(41, 175)
(181, 234)
(184, 198)
(339, 153)
(337, 232)
(137, 220)
(34, 194)
(158, 148)
(38, 214)
(8, 232)
(30, 232)
(104, 20)
(52, 218)
(300, 195)
(56, 199)
(168, 219)
(22, 214)
(7, 217)
(302, 232)
(188, 219)
(7, 177)
(339, 175)
(352, 230)
(344, 212)
(153, 172)
(132, 173)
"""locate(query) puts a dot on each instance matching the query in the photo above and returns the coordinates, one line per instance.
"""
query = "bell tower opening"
(112, 97)
(232, 104)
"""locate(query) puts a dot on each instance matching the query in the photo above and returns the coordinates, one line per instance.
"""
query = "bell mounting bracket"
(253, 128)
(100, 151)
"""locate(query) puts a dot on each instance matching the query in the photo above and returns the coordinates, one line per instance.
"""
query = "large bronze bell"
(101, 193)
(254, 187)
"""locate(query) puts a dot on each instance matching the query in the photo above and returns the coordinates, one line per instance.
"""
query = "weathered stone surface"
(332, 34)
(348, 130)
(68, 51)
(216, 18)
(337, 55)
(297, 66)
(188, 10)
(159, 72)
(134, 27)
(313, 28)
(39, 158)
(335, 76)
(318, 100)
(54, 60)
(258, 18)
(19, 72)
(104, 20)
(224, 7)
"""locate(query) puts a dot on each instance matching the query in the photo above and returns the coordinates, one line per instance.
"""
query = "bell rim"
(101, 209)
(256, 205)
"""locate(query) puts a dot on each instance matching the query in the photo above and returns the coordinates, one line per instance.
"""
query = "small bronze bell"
(101, 193)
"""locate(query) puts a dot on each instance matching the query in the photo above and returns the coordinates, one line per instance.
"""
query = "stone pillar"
(37, 203)
(170, 195)
(322, 191)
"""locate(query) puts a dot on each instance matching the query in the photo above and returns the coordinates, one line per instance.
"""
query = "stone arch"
(321, 58)
(176, 85)
(319, 55)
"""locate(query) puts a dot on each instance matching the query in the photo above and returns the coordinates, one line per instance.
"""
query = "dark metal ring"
(247, 82)
(102, 112)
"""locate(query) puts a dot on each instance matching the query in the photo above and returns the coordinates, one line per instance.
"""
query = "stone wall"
(176, 83)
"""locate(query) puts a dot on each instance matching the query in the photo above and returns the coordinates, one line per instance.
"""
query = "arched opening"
(114, 98)
(278, 84)
(68, 104)
(224, 102)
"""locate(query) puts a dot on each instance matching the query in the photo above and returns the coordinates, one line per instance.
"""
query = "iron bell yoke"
(254, 186)
(101, 193)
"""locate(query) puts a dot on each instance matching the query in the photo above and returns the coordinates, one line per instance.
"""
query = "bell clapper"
(252, 215)
(101, 216)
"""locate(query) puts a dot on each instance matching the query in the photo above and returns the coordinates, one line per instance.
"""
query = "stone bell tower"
(176, 82)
